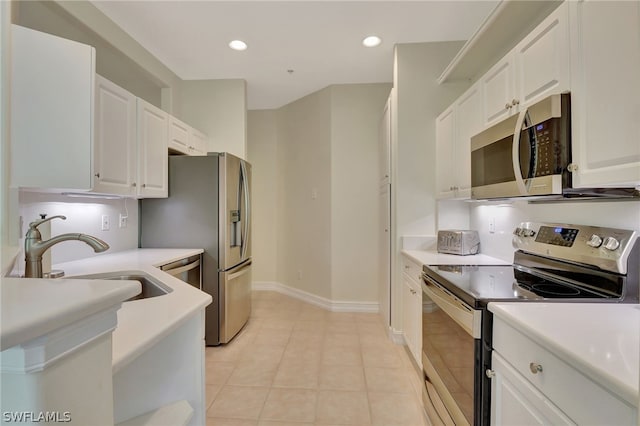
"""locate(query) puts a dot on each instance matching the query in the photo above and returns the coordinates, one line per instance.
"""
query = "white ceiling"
(319, 40)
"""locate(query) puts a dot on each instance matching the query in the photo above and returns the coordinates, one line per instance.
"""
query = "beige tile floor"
(297, 364)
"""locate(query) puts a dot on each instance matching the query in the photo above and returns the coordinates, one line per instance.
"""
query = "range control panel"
(606, 248)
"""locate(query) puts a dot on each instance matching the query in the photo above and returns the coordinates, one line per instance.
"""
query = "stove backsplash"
(495, 221)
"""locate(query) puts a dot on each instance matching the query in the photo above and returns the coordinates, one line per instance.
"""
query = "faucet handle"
(33, 225)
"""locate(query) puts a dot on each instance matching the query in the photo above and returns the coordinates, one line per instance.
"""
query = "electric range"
(552, 263)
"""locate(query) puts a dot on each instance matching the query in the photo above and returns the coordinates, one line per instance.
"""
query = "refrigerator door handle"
(247, 212)
(245, 269)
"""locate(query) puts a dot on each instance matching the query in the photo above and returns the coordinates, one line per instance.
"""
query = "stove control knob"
(528, 232)
(595, 241)
(517, 231)
(611, 243)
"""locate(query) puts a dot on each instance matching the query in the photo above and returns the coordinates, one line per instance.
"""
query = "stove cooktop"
(478, 285)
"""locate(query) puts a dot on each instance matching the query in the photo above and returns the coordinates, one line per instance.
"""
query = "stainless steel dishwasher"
(188, 270)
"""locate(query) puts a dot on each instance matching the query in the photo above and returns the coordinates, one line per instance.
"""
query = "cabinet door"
(198, 142)
(115, 139)
(445, 133)
(178, 136)
(412, 317)
(542, 59)
(384, 260)
(605, 97)
(515, 401)
(408, 326)
(153, 136)
(384, 135)
(498, 90)
(468, 120)
(52, 105)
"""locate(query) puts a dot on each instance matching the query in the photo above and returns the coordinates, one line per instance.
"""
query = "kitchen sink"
(151, 287)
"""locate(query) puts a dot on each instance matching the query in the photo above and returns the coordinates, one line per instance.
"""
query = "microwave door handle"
(515, 153)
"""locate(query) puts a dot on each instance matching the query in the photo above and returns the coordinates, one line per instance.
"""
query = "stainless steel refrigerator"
(209, 207)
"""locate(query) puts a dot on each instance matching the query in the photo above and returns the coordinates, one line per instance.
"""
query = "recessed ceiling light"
(238, 45)
(371, 41)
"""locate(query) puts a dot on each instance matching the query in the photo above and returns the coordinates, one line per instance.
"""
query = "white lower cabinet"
(412, 308)
(531, 385)
(515, 401)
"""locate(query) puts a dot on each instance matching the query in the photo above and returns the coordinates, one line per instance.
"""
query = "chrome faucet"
(34, 247)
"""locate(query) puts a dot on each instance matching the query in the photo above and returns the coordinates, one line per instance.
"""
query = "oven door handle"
(469, 319)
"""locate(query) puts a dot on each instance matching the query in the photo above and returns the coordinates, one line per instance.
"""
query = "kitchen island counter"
(601, 340)
(143, 323)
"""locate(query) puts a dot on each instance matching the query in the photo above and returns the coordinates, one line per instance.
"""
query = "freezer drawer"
(235, 284)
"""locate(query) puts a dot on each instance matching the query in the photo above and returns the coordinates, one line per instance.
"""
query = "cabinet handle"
(490, 373)
(535, 368)
(407, 267)
(572, 167)
(144, 185)
(508, 106)
(97, 175)
(133, 184)
(515, 102)
(412, 291)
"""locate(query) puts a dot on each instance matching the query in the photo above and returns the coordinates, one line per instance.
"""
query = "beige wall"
(217, 108)
(355, 184)
(263, 155)
(304, 168)
(322, 152)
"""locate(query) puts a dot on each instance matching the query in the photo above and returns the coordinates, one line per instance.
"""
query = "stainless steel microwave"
(525, 155)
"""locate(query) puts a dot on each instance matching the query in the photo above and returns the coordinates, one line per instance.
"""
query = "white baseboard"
(396, 336)
(330, 305)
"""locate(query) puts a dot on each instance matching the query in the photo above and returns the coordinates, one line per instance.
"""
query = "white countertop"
(142, 323)
(602, 340)
(432, 257)
(33, 307)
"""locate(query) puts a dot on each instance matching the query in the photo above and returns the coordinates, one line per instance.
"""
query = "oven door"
(450, 344)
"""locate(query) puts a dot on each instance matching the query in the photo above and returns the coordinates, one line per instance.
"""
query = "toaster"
(460, 242)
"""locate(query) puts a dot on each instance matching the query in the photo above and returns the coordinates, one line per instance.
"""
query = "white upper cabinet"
(445, 131)
(115, 140)
(454, 129)
(498, 88)
(469, 109)
(153, 138)
(542, 59)
(178, 136)
(605, 95)
(184, 139)
(198, 142)
(537, 67)
(52, 100)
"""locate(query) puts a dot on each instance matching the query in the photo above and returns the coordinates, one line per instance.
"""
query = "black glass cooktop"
(478, 285)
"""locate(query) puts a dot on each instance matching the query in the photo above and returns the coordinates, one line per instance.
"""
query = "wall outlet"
(299, 275)
(105, 222)
(123, 221)
(492, 225)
